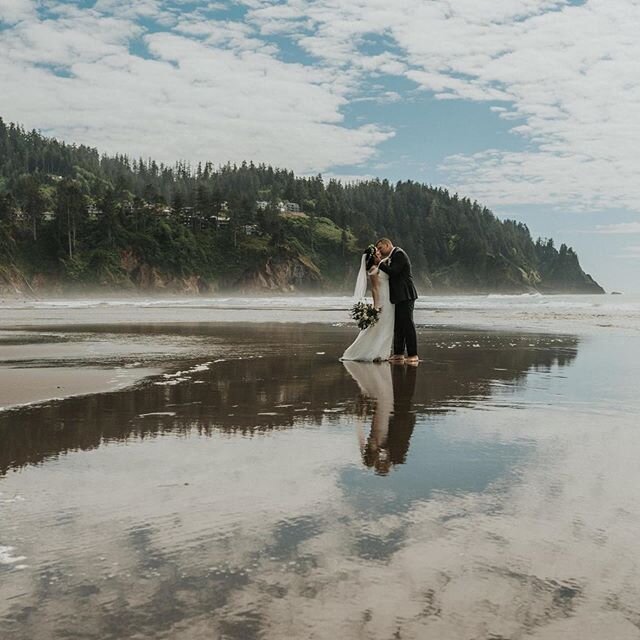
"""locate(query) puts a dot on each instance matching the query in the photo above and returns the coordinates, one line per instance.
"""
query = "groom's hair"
(384, 241)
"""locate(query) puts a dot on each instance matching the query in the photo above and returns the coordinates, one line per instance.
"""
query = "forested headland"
(74, 219)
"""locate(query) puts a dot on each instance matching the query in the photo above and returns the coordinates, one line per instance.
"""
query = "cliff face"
(559, 272)
(292, 272)
(276, 275)
(13, 282)
(293, 275)
(566, 275)
(510, 279)
(139, 275)
(507, 279)
(283, 275)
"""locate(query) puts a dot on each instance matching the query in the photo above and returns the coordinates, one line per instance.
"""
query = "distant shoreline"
(138, 294)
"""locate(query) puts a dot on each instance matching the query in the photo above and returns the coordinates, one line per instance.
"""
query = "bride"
(374, 342)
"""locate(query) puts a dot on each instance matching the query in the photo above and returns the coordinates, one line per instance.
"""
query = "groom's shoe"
(413, 360)
(396, 358)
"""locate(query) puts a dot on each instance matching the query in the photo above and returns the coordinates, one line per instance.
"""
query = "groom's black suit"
(403, 295)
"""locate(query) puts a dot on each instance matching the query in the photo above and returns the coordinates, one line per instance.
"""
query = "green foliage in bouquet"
(364, 314)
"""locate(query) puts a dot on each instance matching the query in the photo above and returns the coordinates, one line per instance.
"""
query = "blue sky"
(528, 106)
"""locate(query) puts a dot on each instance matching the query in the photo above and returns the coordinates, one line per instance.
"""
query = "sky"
(528, 106)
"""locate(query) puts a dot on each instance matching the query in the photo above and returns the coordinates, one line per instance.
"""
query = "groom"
(403, 295)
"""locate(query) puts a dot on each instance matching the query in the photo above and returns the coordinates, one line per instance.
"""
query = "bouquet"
(365, 315)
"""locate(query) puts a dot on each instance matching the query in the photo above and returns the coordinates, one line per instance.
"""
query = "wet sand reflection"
(282, 493)
(272, 387)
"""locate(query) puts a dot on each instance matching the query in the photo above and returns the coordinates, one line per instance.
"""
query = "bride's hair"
(370, 253)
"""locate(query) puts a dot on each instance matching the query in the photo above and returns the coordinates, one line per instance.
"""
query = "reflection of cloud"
(7, 557)
(549, 553)
(504, 562)
(187, 507)
(232, 535)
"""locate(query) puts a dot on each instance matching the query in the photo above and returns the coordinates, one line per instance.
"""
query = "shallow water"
(569, 314)
(259, 488)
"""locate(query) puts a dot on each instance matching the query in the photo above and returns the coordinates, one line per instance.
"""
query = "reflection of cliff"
(271, 392)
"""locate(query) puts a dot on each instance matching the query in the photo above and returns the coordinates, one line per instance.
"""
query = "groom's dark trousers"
(404, 331)
(403, 295)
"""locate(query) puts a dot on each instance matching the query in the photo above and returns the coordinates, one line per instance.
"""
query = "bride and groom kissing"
(387, 269)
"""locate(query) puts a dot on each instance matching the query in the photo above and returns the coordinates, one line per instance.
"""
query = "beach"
(208, 468)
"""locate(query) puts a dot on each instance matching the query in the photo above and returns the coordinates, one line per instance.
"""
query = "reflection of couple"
(393, 420)
(388, 270)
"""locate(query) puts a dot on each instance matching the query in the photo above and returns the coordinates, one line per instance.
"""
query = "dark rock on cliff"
(282, 274)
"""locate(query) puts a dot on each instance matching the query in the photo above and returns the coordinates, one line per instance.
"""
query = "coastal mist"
(241, 482)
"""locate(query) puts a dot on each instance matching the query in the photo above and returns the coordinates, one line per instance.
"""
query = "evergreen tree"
(71, 205)
(33, 200)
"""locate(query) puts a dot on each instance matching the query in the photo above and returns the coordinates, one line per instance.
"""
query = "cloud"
(566, 73)
(622, 228)
(12, 11)
(197, 90)
(630, 253)
(168, 79)
(385, 97)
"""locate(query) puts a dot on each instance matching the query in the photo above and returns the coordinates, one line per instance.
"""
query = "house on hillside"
(162, 211)
(93, 212)
(281, 206)
(292, 207)
(186, 215)
(219, 221)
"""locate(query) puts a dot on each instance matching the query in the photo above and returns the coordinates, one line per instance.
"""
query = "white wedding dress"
(374, 342)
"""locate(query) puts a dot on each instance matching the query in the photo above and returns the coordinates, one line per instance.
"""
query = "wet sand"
(35, 385)
(37, 366)
(255, 487)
